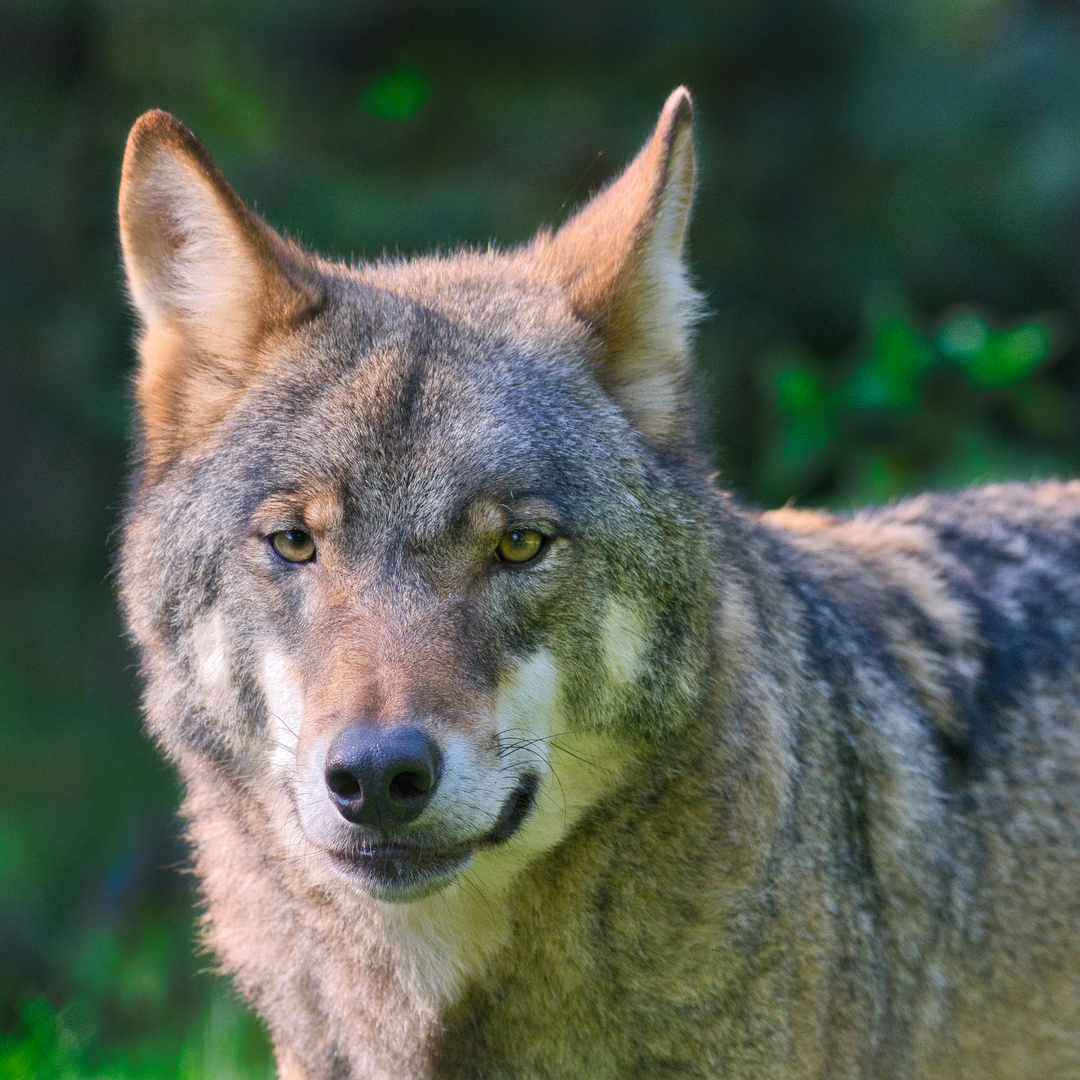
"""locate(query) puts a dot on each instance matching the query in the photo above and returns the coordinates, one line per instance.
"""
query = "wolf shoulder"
(971, 598)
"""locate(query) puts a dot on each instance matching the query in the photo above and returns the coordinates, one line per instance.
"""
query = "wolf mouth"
(400, 872)
(409, 871)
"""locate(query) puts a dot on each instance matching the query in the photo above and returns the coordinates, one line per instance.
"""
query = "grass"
(68, 1043)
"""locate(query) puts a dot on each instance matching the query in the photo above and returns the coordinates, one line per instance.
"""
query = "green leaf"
(397, 96)
(891, 375)
(994, 358)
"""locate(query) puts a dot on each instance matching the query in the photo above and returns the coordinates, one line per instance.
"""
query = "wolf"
(514, 747)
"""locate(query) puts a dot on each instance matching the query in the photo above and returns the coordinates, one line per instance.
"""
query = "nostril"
(342, 783)
(409, 786)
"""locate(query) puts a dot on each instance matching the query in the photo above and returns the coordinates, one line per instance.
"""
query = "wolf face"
(403, 561)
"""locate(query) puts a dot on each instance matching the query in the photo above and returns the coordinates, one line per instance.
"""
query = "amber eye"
(293, 545)
(520, 545)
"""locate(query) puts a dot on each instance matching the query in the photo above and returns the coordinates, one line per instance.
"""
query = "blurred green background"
(886, 233)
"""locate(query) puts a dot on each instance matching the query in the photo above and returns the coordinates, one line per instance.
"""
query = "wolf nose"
(381, 776)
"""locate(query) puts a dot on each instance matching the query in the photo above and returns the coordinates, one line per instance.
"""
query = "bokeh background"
(887, 234)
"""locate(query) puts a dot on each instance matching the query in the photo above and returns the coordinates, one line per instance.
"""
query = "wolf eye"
(293, 545)
(520, 545)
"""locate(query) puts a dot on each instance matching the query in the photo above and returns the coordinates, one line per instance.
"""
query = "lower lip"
(402, 874)
(517, 808)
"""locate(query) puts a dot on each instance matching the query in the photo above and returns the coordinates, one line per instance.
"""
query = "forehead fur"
(500, 293)
(396, 333)
(409, 342)
(426, 383)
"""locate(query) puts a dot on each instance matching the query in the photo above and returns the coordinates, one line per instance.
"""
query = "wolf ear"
(621, 258)
(208, 278)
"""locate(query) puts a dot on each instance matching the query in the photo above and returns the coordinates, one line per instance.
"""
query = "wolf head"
(415, 555)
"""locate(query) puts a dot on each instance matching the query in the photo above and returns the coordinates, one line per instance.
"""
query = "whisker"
(578, 757)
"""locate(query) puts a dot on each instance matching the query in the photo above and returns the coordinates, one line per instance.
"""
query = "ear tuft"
(207, 277)
(620, 258)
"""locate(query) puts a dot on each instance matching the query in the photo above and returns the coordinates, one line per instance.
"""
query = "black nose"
(381, 776)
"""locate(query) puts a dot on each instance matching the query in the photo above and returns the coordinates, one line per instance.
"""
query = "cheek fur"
(624, 643)
(575, 768)
(220, 715)
(208, 648)
(284, 710)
